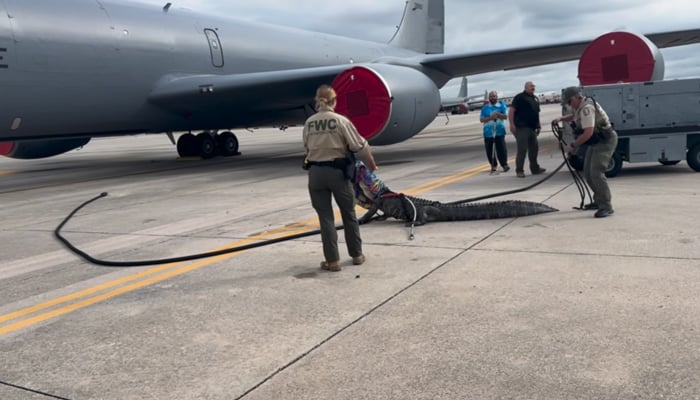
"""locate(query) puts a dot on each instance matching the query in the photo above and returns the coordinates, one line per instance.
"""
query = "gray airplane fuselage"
(87, 67)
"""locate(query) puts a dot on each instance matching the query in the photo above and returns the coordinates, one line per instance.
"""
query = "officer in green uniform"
(328, 139)
(593, 128)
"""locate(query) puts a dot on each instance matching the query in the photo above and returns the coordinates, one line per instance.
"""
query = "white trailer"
(655, 121)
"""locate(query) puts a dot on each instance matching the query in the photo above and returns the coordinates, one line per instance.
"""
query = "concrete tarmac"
(552, 306)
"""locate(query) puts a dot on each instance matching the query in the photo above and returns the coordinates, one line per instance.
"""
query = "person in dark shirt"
(524, 119)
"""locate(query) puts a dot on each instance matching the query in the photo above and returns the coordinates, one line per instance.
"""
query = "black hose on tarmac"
(581, 184)
(489, 196)
(141, 263)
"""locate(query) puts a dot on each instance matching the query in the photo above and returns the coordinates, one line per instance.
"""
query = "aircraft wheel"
(694, 157)
(227, 143)
(206, 145)
(186, 145)
(614, 166)
(669, 162)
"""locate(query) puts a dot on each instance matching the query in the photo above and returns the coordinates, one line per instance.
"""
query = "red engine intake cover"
(620, 57)
(6, 148)
(364, 98)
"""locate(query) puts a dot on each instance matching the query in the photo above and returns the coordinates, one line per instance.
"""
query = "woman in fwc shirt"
(328, 137)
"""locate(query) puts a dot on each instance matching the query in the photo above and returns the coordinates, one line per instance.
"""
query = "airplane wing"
(290, 89)
(507, 59)
(271, 91)
(249, 92)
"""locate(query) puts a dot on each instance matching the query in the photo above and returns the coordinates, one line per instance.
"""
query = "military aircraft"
(456, 105)
(71, 70)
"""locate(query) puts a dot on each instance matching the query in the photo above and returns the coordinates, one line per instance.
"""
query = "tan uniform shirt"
(328, 135)
(587, 117)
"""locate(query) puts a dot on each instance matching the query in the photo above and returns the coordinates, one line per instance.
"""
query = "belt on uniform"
(323, 163)
(346, 165)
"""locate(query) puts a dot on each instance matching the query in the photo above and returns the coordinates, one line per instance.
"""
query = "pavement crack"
(355, 321)
(26, 389)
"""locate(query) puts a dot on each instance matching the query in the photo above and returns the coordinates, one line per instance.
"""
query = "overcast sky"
(480, 25)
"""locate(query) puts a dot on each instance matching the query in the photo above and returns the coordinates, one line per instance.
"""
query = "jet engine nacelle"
(31, 149)
(620, 56)
(387, 103)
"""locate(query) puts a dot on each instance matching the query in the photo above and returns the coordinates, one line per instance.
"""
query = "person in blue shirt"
(493, 116)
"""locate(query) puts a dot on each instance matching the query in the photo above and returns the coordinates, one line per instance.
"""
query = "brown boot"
(333, 266)
(358, 260)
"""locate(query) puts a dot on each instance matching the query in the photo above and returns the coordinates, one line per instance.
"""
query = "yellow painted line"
(163, 272)
(431, 185)
(142, 274)
(2, 173)
(119, 291)
(82, 293)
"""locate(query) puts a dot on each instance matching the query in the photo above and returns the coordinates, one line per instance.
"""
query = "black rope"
(581, 184)
(489, 196)
(141, 263)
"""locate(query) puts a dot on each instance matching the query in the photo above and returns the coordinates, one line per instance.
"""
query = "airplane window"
(217, 55)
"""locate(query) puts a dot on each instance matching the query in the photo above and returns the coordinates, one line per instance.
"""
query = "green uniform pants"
(325, 183)
(596, 162)
(526, 140)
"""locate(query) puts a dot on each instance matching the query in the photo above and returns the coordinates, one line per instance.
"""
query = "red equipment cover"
(617, 57)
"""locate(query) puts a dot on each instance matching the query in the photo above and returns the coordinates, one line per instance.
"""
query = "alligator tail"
(491, 210)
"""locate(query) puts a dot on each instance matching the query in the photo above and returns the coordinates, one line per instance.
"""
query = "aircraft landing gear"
(186, 145)
(228, 144)
(207, 144)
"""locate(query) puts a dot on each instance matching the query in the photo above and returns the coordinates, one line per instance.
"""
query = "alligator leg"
(432, 214)
(369, 214)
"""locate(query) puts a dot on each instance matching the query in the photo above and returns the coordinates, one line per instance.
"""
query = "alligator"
(420, 211)
(371, 193)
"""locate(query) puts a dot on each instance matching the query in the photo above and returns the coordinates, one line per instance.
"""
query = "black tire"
(186, 145)
(206, 145)
(227, 143)
(694, 157)
(614, 166)
(669, 162)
